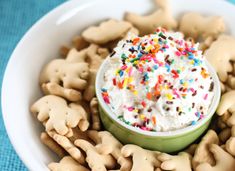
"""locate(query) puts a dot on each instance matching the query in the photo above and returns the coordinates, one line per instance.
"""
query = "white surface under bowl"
(41, 44)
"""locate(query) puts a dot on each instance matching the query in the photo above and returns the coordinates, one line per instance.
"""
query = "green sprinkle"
(133, 60)
(123, 56)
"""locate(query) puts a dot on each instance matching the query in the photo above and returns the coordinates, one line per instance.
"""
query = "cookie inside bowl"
(158, 85)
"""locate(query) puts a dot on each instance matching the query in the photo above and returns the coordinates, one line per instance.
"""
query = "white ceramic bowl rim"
(211, 111)
(58, 27)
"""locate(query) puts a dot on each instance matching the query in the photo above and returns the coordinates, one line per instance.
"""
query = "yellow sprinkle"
(192, 62)
(136, 110)
(130, 79)
(166, 87)
(155, 40)
(116, 72)
(125, 82)
(148, 48)
(135, 92)
(185, 84)
(142, 116)
(169, 96)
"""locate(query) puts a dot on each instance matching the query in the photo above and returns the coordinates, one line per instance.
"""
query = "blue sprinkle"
(191, 57)
(140, 54)
(197, 114)
(168, 67)
(146, 77)
(197, 62)
(121, 73)
(104, 89)
(193, 123)
(181, 81)
(155, 67)
(191, 80)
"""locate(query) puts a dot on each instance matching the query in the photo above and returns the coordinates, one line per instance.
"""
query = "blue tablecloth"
(16, 17)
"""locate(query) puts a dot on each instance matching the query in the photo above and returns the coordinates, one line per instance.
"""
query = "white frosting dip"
(158, 82)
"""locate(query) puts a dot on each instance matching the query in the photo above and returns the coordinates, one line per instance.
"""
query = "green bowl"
(171, 141)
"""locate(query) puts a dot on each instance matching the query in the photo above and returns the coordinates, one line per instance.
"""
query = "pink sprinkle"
(201, 116)
(141, 69)
(106, 100)
(158, 62)
(130, 109)
(192, 90)
(155, 60)
(147, 57)
(151, 42)
(178, 53)
(123, 67)
(175, 93)
(130, 71)
(144, 128)
(206, 96)
(181, 42)
(165, 46)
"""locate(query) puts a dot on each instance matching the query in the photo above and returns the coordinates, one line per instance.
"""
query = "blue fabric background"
(16, 17)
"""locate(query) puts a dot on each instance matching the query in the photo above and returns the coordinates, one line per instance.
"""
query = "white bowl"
(41, 44)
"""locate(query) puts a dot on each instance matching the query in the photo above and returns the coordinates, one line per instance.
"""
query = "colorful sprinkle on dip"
(158, 82)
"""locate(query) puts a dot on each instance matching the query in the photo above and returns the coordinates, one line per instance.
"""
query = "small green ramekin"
(171, 141)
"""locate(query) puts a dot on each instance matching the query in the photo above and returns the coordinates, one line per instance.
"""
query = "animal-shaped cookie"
(51, 144)
(106, 31)
(224, 161)
(89, 92)
(160, 18)
(219, 55)
(230, 143)
(59, 115)
(180, 162)
(227, 105)
(202, 153)
(95, 160)
(197, 26)
(63, 78)
(67, 163)
(95, 119)
(142, 159)
(68, 146)
(106, 143)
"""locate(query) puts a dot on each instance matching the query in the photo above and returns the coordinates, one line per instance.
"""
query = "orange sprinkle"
(149, 96)
(154, 120)
(204, 74)
(156, 93)
(136, 40)
(120, 85)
